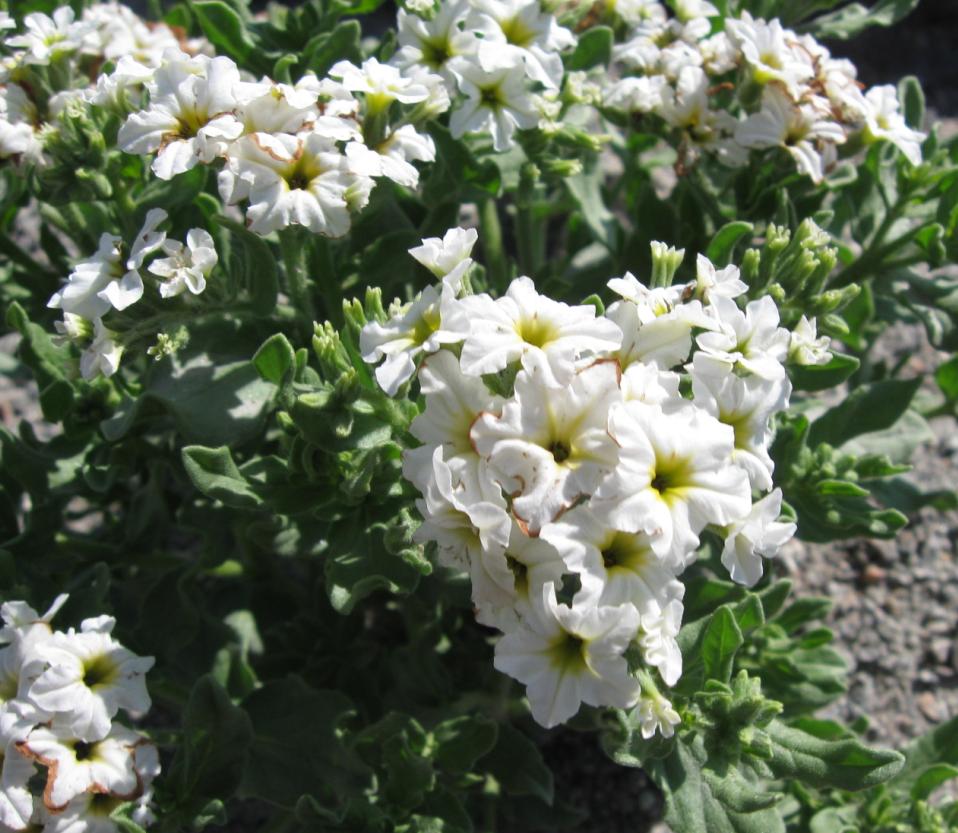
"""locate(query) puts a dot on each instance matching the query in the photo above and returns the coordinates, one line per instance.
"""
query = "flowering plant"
(375, 554)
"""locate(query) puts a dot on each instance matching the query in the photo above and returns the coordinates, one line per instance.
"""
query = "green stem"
(328, 282)
(877, 250)
(530, 229)
(295, 246)
(491, 238)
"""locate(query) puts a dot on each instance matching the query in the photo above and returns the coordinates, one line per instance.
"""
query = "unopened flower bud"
(666, 261)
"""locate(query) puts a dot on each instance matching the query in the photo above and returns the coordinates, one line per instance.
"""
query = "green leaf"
(586, 189)
(912, 99)
(938, 746)
(399, 746)
(724, 242)
(814, 377)
(324, 49)
(868, 408)
(773, 597)
(721, 642)
(212, 400)
(296, 748)
(212, 753)
(516, 763)
(365, 558)
(464, 740)
(593, 48)
(252, 265)
(803, 611)
(701, 801)
(947, 378)
(172, 194)
(884, 453)
(930, 779)
(849, 20)
(457, 173)
(50, 364)
(214, 473)
(845, 764)
(275, 360)
(225, 29)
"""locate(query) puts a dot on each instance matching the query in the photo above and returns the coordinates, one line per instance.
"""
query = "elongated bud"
(666, 261)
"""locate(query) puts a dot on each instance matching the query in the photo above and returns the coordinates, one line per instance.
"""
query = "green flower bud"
(665, 263)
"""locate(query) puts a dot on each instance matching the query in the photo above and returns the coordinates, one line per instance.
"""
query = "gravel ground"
(895, 608)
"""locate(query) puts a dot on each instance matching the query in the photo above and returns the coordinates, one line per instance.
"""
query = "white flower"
(637, 95)
(270, 107)
(186, 267)
(719, 54)
(100, 283)
(148, 240)
(85, 293)
(506, 583)
(712, 283)
(647, 383)
(674, 477)
(46, 38)
(766, 48)
(800, 129)
(447, 258)
(805, 347)
(687, 10)
(618, 567)
(18, 115)
(75, 765)
(189, 119)
(550, 446)
(292, 180)
(687, 108)
(122, 34)
(497, 102)
(883, 121)
(422, 327)
(759, 535)
(751, 341)
(16, 770)
(547, 336)
(462, 510)
(380, 84)
(567, 656)
(532, 38)
(393, 157)
(24, 629)
(103, 355)
(637, 13)
(746, 404)
(453, 403)
(660, 626)
(90, 676)
(656, 324)
(110, 88)
(656, 714)
(640, 54)
(455, 29)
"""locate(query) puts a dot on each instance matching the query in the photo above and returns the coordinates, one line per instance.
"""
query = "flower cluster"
(304, 154)
(112, 279)
(576, 499)
(755, 85)
(59, 58)
(500, 60)
(60, 692)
